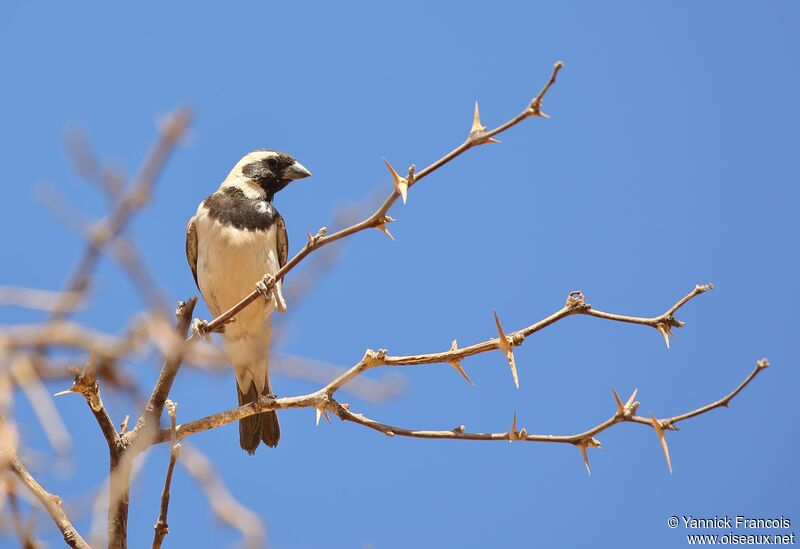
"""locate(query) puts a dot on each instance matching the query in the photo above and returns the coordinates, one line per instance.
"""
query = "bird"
(235, 241)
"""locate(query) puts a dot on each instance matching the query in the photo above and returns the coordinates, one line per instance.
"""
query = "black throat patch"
(231, 207)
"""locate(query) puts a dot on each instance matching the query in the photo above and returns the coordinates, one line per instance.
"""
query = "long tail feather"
(258, 427)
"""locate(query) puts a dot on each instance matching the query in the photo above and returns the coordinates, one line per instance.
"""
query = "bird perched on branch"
(237, 240)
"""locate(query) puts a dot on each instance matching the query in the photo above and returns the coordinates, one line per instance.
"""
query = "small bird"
(237, 239)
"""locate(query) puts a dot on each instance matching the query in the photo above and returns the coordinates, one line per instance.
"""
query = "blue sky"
(670, 160)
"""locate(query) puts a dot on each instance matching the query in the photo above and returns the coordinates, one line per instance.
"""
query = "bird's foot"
(266, 285)
(200, 329)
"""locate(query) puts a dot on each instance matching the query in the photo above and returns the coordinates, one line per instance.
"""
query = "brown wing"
(283, 241)
(191, 247)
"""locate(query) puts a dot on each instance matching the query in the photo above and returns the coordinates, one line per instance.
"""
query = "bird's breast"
(230, 261)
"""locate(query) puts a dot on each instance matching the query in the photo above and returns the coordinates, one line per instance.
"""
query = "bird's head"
(269, 171)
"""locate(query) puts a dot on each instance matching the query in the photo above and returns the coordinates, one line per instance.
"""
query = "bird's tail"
(258, 427)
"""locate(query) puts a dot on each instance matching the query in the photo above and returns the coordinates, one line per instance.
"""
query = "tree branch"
(137, 195)
(322, 399)
(477, 136)
(85, 384)
(172, 363)
(161, 527)
(225, 506)
(624, 413)
(50, 502)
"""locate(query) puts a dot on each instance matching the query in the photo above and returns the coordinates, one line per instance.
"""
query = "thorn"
(382, 227)
(660, 432)
(512, 434)
(319, 414)
(64, 392)
(478, 129)
(582, 446)
(400, 183)
(620, 407)
(310, 238)
(457, 364)
(506, 347)
(631, 399)
(666, 331)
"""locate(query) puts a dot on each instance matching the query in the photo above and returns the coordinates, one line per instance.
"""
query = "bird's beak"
(295, 171)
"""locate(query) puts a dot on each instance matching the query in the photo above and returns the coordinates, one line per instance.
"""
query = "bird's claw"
(200, 329)
(266, 285)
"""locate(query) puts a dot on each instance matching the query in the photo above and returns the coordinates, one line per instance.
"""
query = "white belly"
(231, 261)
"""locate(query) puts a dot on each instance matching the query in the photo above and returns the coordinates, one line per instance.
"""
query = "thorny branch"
(323, 401)
(124, 445)
(378, 220)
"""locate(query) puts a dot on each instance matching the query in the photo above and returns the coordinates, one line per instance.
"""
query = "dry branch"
(51, 503)
(379, 218)
(161, 527)
(227, 509)
(130, 202)
(125, 445)
(323, 398)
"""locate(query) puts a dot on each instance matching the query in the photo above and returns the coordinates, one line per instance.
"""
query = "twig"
(86, 164)
(26, 378)
(161, 527)
(51, 503)
(669, 423)
(130, 201)
(379, 218)
(85, 384)
(575, 305)
(141, 436)
(67, 334)
(172, 364)
(223, 504)
(45, 300)
(24, 534)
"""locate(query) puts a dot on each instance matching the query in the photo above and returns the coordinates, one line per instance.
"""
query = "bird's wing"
(283, 242)
(191, 246)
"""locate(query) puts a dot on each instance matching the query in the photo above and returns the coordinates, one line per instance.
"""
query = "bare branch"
(27, 379)
(225, 506)
(322, 398)
(172, 364)
(44, 300)
(85, 384)
(379, 218)
(130, 202)
(668, 423)
(51, 503)
(161, 527)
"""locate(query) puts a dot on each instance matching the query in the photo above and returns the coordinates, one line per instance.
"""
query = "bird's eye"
(272, 163)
